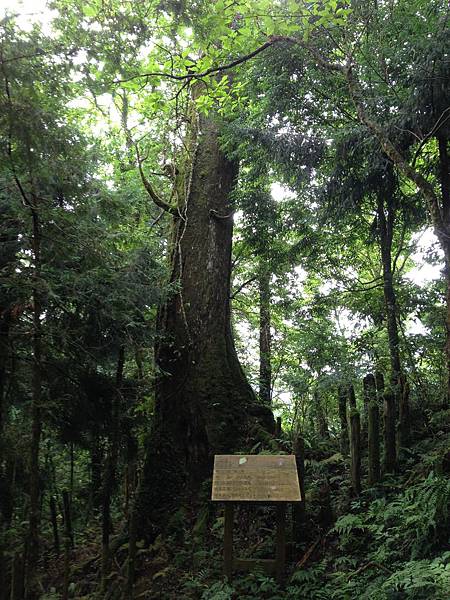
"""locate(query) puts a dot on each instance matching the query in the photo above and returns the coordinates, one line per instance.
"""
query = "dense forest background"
(225, 228)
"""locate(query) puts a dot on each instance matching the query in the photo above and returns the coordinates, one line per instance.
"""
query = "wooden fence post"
(389, 433)
(355, 451)
(228, 539)
(374, 442)
(351, 396)
(370, 395)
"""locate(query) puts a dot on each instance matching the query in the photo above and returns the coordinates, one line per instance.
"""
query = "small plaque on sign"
(255, 478)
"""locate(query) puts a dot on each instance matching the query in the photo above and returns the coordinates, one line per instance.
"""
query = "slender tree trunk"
(111, 468)
(391, 400)
(386, 227)
(36, 417)
(343, 438)
(265, 367)
(8, 237)
(444, 168)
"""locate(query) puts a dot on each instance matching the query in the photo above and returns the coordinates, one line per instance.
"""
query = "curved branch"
(173, 210)
(211, 70)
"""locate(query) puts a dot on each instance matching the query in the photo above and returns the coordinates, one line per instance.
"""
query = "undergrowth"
(392, 543)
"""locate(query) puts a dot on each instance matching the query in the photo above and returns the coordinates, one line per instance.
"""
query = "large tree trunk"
(203, 404)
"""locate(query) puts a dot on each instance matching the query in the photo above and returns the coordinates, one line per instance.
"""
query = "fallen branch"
(307, 554)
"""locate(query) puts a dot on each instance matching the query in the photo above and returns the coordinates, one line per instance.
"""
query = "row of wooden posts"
(392, 432)
(357, 432)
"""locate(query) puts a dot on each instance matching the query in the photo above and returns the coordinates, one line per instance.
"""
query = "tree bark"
(203, 403)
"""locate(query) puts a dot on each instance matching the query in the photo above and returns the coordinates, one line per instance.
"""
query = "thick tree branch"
(209, 71)
(242, 286)
(151, 192)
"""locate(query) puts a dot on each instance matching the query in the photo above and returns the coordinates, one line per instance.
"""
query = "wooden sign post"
(262, 479)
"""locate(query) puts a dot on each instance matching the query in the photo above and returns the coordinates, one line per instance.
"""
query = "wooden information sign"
(260, 478)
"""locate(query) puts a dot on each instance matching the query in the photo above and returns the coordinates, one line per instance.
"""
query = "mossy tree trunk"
(355, 451)
(373, 443)
(390, 458)
(370, 395)
(204, 404)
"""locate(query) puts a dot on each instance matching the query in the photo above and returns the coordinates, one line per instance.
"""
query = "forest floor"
(390, 543)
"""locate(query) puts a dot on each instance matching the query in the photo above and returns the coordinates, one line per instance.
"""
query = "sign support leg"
(280, 541)
(228, 539)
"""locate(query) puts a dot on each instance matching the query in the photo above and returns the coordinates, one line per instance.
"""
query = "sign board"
(255, 478)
